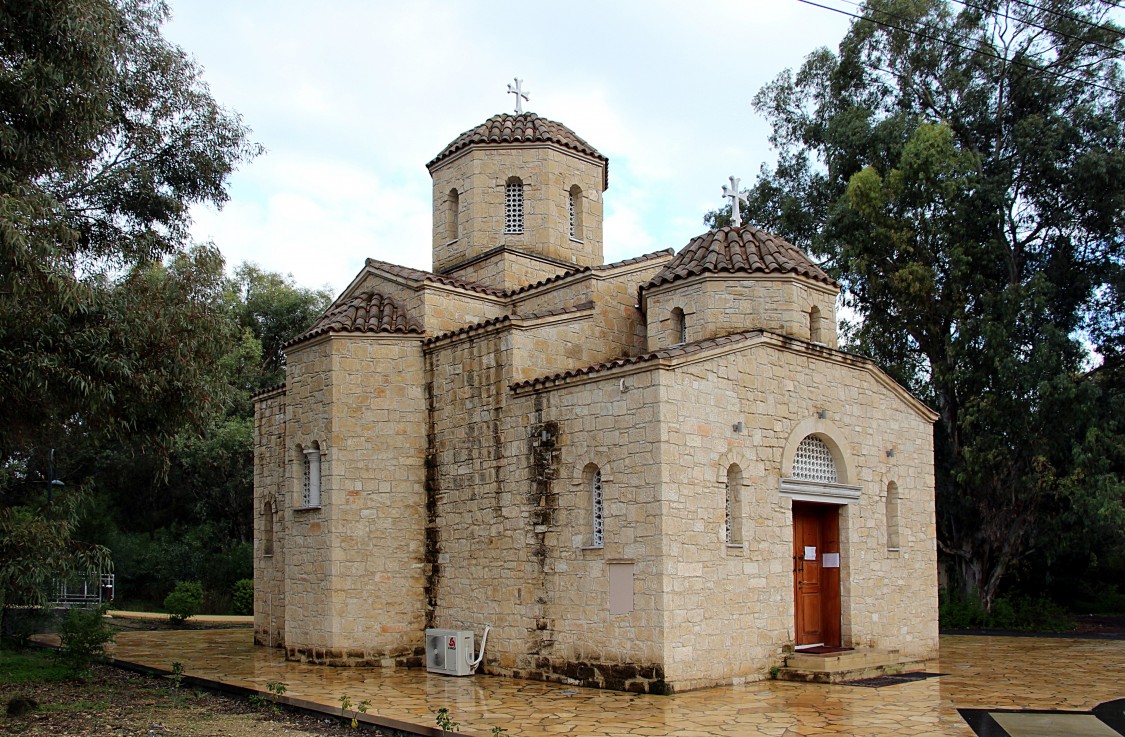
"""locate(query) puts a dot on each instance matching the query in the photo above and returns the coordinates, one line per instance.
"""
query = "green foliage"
(967, 188)
(184, 601)
(1036, 614)
(31, 666)
(444, 720)
(85, 634)
(244, 596)
(177, 674)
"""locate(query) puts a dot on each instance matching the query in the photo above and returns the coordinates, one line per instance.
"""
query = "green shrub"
(84, 634)
(184, 601)
(244, 596)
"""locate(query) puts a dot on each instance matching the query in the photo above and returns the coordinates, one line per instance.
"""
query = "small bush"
(244, 596)
(184, 601)
(84, 634)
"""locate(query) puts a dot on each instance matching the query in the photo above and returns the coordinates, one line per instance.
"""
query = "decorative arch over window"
(679, 326)
(892, 521)
(733, 491)
(574, 212)
(814, 326)
(814, 466)
(453, 211)
(310, 476)
(513, 206)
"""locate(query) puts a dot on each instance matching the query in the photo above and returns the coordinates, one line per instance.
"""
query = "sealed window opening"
(453, 209)
(814, 326)
(679, 326)
(513, 206)
(892, 513)
(620, 588)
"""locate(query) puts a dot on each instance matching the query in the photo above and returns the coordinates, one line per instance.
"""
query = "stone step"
(845, 666)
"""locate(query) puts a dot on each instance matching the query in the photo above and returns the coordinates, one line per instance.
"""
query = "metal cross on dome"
(735, 197)
(517, 90)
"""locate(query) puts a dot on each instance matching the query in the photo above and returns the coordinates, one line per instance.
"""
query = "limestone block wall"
(511, 521)
(480, 176)
(269, 518)
(444, 308)
(729, 609)
(715, 305)
(308, 543)
(508, 269)
(360, 555)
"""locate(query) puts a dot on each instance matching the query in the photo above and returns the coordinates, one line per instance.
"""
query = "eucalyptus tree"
(959, 168)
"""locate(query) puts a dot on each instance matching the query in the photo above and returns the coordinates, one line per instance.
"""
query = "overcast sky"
(351, 98)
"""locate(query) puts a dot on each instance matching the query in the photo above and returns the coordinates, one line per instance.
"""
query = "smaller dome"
(523, 128)
(745, 250)
(368, 312)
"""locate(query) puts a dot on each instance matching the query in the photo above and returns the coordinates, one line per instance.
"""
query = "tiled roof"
(428, 276)
(672, 352)
(585, 269)
(268, 390)
(368, 312)
(477, 326)
(744, 250)
(506, 129)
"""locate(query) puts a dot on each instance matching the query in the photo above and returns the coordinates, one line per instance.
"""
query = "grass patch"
(81, 705)
(31, 666)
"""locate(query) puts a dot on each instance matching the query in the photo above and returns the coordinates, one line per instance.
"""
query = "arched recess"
(679, 326)
(815, 325)
(452, 215)
(892, 517)
(309, 480)
(267, 529)
(513, 206)
(842, 490)
(574, 211)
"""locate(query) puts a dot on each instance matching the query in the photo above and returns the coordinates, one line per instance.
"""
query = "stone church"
(654, 475)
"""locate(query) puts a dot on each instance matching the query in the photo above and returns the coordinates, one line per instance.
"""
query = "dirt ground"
(118, 703)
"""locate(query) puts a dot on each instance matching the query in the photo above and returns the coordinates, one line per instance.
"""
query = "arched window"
(513, 206)
(593, 476)
(733, 526)
(892, 517)
(814, 326)
(813, 461)
(452, 213)
(310, 486)
(679, 326)
(574, 211)
(267, 529)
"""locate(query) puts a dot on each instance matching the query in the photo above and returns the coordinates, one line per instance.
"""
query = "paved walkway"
(994, 679)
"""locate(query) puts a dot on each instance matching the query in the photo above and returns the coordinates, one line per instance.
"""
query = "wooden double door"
(816, 573)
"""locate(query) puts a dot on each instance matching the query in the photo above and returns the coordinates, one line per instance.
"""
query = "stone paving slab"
(1001, 673)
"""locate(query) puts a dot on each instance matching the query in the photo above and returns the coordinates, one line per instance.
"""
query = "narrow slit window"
(679, 327)
(267, 530)
(452, 215)
(513, 206)
(892, 521)
(733, 494)
(814, 326)
(574, 211)
(310, 487)
(597, 500)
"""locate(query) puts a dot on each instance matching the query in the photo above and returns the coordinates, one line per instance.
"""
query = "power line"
(1044, 28)
(1067, 16)
(947, 42)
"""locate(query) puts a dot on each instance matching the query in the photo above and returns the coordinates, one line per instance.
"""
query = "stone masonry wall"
(729, 611)
(511, 522)
(362, 551)
(480, 176)
(719, 305)
(505, 268)
(269, 519)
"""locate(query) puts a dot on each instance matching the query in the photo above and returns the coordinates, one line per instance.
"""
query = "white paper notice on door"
(831, 560)
(810, 552)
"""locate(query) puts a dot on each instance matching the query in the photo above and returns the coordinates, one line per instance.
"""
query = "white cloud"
(352, 98)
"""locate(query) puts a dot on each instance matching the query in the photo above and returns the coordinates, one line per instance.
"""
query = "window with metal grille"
(729, 531)
(574, 210)
(813, 461)
(570, 212)
(310, 488)
(513, 207)
(598, 506)
(733, 493)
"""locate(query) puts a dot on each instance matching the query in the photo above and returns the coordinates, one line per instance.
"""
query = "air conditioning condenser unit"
(449, 652)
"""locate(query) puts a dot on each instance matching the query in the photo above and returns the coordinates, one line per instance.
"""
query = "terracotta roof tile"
(672, 352)
(586, 269)
(744, 250)
(368, 312)
(427, 276)
(506, 129)
(477, 326)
